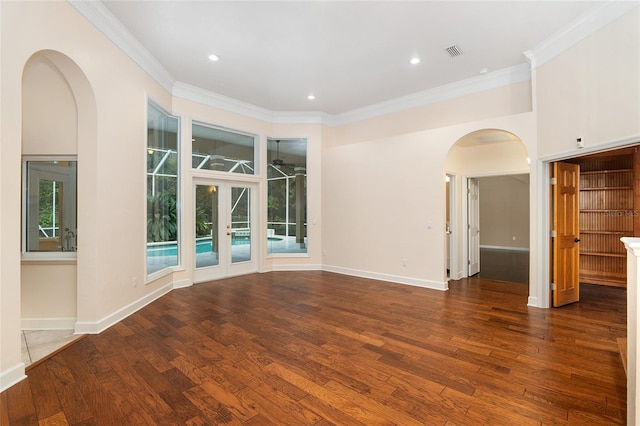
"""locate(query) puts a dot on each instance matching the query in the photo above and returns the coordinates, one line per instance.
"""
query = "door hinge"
(553, 181)
(553, 234)
(552, 286)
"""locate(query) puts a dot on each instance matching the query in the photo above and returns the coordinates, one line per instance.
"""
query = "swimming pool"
(203, 245)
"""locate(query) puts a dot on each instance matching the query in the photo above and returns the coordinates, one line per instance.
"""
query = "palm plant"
(162, 218)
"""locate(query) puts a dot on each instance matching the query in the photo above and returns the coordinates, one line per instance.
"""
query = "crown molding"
(303, 117)
(480, 83)
(581, 28)
(457, 89)
(205, 97)
(96, 13)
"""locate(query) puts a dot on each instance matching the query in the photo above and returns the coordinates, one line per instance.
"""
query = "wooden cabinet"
(608, 211)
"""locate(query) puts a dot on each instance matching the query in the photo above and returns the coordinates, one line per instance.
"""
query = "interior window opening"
(50, 205)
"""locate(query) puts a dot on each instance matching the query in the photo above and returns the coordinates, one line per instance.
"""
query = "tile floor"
(37, 344)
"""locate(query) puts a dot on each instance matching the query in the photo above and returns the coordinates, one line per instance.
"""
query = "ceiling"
(349, 54)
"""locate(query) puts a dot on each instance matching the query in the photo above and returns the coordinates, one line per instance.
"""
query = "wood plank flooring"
(504, 265)
(317, 348)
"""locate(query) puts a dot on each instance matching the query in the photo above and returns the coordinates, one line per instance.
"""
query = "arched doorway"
(498, 159)
(58, 135)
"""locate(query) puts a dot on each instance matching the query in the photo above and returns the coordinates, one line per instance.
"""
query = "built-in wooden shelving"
(609, 210)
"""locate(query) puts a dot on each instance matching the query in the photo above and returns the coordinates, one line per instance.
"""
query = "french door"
(224, 217)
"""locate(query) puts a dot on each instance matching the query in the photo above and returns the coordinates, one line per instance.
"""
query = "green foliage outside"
(46, 203)
(162, 218)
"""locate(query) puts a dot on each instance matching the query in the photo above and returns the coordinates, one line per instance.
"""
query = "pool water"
(202, 246)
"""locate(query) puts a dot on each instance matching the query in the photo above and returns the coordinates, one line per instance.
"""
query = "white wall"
(504, 211)
(49, 296)
(502, 101)
(486, 160)
(384, 199)
(49, 110)
(592, 90)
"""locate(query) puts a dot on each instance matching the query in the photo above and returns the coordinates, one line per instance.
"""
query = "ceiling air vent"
(454, 50)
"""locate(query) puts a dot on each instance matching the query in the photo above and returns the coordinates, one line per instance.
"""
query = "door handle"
(576, 240)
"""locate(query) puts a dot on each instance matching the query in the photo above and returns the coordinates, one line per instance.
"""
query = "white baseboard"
(182, 284)
(291, 267)
(48, 323)
(533, 301)
(11, 376)
(434, 285)
(506, 248)
(120, 314)
(456, 276)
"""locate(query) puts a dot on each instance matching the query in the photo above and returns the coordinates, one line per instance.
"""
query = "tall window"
(287, 196)
(222, 150)
(162, 190)
(50, 208)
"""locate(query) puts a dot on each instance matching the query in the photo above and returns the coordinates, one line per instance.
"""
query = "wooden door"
(566, 238)
(473, 191)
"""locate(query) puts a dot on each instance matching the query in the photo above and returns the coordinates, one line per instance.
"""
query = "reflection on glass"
(240, 224)
(206, 220)
(222, 150)
(287, 196)
(162, 190)
(50, 211)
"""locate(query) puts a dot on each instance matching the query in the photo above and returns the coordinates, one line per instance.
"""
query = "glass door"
(224, 242)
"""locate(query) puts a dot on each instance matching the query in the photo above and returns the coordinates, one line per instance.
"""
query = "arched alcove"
(500, 159)
(58, 120)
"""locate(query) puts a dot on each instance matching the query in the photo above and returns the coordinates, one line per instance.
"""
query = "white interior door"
(473, 204)
(451, 226)
(225, 237)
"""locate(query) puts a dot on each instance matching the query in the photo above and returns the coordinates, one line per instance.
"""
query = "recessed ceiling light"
(311, 96)
(415, 60)
(484, 70)
(213, 57)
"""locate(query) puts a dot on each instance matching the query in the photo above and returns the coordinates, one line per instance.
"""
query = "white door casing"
(473, 217)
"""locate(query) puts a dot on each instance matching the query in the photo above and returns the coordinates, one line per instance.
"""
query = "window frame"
(151, 276)
(255, 158)
(267, 165)
(53, 256)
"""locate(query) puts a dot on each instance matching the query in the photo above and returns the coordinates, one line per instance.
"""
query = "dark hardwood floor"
(504, 265)
(317, 348)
